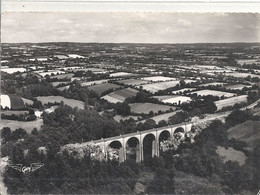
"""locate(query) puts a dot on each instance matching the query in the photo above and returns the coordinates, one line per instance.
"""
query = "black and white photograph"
(97, 101)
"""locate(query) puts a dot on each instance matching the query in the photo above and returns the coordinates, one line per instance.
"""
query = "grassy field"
(160, 117)
(89, 83)
(27, 126)
(237, 86)
(213, 92)
(133, 82)
(248, 132)
(231, 154)
(154, 87)
(63, 76)
(159, 78)
(53, 99)
(15, 112)
(212, 84)
(242, 75)
(145, 108)
(231, 101)
(173, 99)
(119, 117)
(103, 87)
(121, 74)
(120, 95)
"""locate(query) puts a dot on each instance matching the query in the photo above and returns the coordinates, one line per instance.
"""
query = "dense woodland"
(62, 173)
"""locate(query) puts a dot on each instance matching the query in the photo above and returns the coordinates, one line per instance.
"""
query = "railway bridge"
(137, 140)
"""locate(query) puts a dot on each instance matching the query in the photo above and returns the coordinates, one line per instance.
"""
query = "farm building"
(14, 102)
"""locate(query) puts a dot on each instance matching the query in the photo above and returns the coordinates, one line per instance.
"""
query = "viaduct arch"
(140, 137)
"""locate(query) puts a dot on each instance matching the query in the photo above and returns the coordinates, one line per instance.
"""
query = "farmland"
(145, 108)
(164, 116)
(12, 70)
(231, 154)
(173, 99)
(120, 95)
(100, 88)
(90, 83)
(133, 82)
(121, 74)
(28, 126)
(158, 78)
(248, 131)
(242, 75)
(231, 101)
(52, 99)
(213, 92)
(236, 87)
(212, 84)
(183, 90)
(155, 87)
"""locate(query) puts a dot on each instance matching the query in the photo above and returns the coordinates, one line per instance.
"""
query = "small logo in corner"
(24, 169)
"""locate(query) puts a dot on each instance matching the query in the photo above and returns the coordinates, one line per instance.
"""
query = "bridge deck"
(137, 133)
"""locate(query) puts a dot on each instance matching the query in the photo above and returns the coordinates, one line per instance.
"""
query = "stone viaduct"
(139, 137)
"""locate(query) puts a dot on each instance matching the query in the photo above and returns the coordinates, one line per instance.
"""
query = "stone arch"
(133, 149)
(114, 151)
(149, 147)
(179, 129)
(162, 138)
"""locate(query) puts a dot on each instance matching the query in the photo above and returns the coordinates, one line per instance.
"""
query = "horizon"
(136, 27)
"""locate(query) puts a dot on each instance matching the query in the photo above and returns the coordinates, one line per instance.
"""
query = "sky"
(138, 27)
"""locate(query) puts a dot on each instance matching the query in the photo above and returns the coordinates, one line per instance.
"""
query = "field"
(173, 99)
(13, 70)
(14, 112)
(90, 83)
(145, 108)
(231, 101)
(54, 84)
(119, 117)
(120, 95)
(183, 90)
(52, 99)
(236, 87)
(62, 88)
(133, 82)
(63, 76)
(248, 131)
(158, 78)
(241, 75)
(27, 126)
(50, 73)
(206, 92)
(121, 74)
(155, 87)
(160, 117)
(99, 89)
(231, 154)
(212, 84)
(94, 70)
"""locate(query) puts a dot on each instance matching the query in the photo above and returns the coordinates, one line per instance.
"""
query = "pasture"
(231, 154)
(133, 82)
(213, 84)
(13, 70)
(173, 99)
(155, 87)
(26, 125)
(52, 99)
(230, 101)
(145, 108)
(63, 76)
(99, 89)
(158, 78)
(183, 90)
(90, 83)
(160, 117)
(120, 95)
(236, 87)
(206, 92)
(121, 74)
(242, 75)
(14, 112)
(248, 131)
